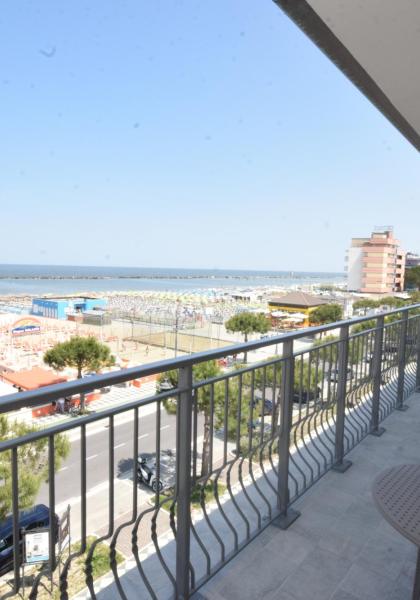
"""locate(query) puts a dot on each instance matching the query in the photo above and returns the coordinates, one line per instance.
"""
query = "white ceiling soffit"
(376, 43)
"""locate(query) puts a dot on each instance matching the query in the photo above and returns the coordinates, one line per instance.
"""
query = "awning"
(33, 379)
(280, 313)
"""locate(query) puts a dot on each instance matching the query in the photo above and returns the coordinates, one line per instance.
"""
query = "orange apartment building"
(377, 264)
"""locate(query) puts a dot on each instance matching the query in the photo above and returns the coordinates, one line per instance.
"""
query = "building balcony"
(195, 489)
(374, 258)
(374, 271)
(369, 281)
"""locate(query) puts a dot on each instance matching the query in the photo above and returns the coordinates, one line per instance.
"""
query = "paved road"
(97, 457)
(97, 453)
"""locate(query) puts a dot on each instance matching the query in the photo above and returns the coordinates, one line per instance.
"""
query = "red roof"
(33, 379)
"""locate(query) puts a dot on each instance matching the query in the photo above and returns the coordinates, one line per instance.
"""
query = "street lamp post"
(176, 333)
(176, 328)
(132, 323)
(150, 329)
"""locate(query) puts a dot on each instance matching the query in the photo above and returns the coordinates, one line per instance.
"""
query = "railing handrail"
(88, 419)
(50, 393)
(316, 413)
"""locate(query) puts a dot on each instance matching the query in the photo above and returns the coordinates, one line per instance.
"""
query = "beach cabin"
(62, 308)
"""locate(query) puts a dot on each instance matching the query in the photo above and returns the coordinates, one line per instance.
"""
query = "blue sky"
(188, 133)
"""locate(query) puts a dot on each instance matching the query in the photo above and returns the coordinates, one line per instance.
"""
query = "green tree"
(365, 304)
(305, 372)
(201, 372)
(246, 323)
(395, 317)
(328, 348)
(82, 353)
(364, 326)
(306, 376)
(371, 323)
(238, 416)
(414, 298)
(392, 302)
(326, 313)
(329, 351)
(412, 278)
(32, 464)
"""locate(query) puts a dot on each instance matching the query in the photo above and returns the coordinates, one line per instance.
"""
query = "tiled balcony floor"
(340, 548)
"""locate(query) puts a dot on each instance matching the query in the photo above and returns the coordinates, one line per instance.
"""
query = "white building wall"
(354, 269)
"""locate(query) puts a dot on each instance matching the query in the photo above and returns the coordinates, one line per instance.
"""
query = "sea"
(59, 279)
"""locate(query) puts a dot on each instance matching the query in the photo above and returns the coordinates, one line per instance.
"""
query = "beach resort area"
(139, 327)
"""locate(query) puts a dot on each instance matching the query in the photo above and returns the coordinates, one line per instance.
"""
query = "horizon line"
(259, 270)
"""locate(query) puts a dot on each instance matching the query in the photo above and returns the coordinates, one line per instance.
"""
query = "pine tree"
(82, 353)
(32, 464)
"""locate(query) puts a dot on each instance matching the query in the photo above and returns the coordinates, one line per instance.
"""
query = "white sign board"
(37, 546)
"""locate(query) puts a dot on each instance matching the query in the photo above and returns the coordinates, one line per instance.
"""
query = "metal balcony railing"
(248, 441)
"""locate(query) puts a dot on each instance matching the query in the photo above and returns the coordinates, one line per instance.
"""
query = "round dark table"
(396, 492)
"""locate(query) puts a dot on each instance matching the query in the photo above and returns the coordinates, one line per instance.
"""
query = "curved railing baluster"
(113, 545)
(258, 482)
(89, 557)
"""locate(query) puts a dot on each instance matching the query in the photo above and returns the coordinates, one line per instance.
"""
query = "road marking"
(143, 436)
(164, 427)
(62, 469)
(121, 419)
(119, 446)
(90, 457)
(100, 488)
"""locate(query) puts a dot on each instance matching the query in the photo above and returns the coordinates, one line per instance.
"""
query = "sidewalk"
(116, 397)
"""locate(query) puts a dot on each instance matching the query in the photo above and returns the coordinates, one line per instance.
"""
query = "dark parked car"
(146, 470)
(36, 517)
(164, 386)
(256, 426)
(303, 396)
(335, 374)
(391, 347)
(410, 340)
(268, 406)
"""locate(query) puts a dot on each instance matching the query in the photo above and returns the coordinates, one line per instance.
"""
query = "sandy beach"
(143, 326)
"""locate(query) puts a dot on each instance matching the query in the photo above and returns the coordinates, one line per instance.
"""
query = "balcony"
(217, 465)
(340, 548)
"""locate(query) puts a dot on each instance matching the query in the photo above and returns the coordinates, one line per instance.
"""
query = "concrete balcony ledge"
(340, 548)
